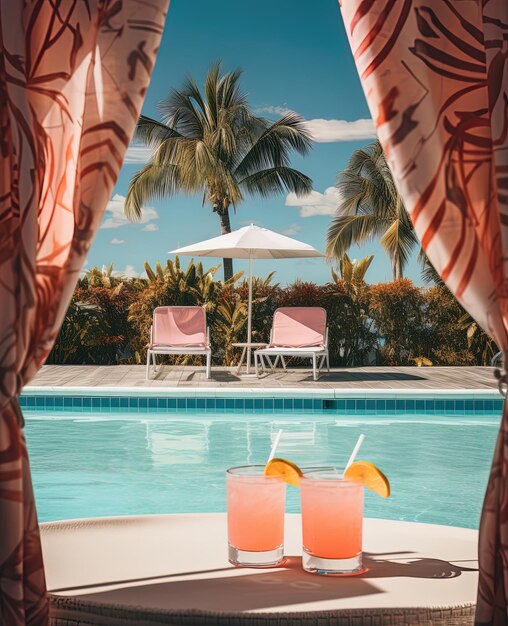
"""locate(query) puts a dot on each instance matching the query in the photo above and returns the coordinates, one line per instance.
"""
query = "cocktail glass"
(332, 521)
(255, 505)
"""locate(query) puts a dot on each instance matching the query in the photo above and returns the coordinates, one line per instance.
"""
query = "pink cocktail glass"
(255, 505)
(332, 522)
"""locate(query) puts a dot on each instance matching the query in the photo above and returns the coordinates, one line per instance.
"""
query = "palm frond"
(359, 195)
(399, 242)
(370, 196)
(277, 180)
(353, 272)
(346, 268)
(148, 183)
(360, 268)
(153, 133)
(224, 186)
(429, 272)
(368, 177)
(211, 94)
(229, 93)
(179, 112)
(273, 147)
(223, 139)
(191, 89)
(346, 230)
(166, 151)
(366, 189)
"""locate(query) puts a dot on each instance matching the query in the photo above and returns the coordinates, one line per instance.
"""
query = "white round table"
(173, 569)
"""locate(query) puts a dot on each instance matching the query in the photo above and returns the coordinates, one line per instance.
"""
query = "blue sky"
(295, 55)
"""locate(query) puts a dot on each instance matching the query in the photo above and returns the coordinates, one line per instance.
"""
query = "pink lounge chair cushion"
(179, 326)
(299, 327)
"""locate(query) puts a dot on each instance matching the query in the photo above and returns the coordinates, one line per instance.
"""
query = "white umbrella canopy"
(251, 242)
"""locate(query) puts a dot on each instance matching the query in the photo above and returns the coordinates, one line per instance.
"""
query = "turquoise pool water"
(91, 464)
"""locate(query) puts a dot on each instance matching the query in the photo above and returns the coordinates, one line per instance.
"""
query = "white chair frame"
(318, 354)
(186, 350)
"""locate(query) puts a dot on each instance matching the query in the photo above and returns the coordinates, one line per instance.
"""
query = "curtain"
(435, 74)
(73, 76)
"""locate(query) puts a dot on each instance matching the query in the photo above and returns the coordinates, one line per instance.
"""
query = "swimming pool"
(115, 460)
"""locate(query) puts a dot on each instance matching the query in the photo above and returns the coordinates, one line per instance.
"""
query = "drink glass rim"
(329, 476)
(251, 472)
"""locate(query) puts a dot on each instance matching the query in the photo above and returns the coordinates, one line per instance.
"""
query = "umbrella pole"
(249, 317)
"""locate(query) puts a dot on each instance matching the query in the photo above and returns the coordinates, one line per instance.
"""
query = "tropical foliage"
(370, 207)
(398, 311)
(212, 144)
(393, 323)
(174, 285)
(96, 327)
(351, 320)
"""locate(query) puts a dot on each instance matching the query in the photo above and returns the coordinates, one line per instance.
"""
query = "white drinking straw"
(275, 444)
(355, 452)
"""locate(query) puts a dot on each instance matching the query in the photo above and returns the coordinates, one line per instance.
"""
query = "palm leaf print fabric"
(435, 74)
(73, 76)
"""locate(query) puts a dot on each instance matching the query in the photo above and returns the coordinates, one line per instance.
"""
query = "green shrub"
(398, 313)
(397, 323)
(448, 341)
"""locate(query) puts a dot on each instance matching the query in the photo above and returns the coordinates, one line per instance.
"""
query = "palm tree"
(213, 144)
(429, 272)
(352, 272)
(369, 207)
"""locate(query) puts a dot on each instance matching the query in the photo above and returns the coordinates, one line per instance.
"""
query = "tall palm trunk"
(397, 268)
(225, 227)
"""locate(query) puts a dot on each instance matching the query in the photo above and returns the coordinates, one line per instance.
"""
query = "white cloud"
(150, 228)
(137, 153)
(293, 229)
(315, 203)
(327, 131)
(117, 242)
(128, 272)
(273, 110)
(115, 215)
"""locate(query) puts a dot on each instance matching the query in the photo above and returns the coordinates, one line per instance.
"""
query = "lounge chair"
(178, 330)
(296, 331)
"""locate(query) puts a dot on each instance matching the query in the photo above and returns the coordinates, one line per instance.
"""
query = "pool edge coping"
(253, 392)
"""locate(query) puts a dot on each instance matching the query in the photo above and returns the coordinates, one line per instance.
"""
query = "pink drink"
(255, 505)
(332, 520)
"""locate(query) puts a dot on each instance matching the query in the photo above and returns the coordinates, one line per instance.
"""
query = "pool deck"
(438, 380)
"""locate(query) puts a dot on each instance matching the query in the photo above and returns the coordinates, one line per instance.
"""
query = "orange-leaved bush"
(396, 323)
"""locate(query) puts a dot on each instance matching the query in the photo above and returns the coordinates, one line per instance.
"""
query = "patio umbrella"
(251, 242)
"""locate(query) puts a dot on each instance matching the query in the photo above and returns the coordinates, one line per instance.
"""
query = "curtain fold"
(73, 77)
(435, 75)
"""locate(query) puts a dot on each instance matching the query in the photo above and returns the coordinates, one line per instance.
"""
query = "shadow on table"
(265, 589)
(419, 568)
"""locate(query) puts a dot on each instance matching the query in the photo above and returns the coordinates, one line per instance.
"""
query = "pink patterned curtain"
(435, 74)
(73, 76)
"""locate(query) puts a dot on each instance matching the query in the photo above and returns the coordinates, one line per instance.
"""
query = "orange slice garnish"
(369, 475)
(288, 471)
